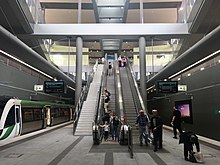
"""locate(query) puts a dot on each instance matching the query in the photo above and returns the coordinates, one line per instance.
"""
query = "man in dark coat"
(156, 125)
(176, 122)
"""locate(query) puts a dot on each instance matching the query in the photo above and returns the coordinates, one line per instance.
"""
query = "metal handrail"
(81, 100)
(130, 142)
(137, 90)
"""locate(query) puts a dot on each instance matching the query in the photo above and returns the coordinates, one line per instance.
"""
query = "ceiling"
(106, 11)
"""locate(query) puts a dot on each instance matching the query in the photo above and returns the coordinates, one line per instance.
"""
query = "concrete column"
(79, 11)
(141, 11)
(79, 48)
(142, 64)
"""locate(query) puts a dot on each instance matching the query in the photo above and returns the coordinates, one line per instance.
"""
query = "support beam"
(115, 31)
(79, 48)
(142, 63)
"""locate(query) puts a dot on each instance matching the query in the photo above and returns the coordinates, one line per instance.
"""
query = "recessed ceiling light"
(202, 68)
(179, 79)
(189, 74)
(181, 9)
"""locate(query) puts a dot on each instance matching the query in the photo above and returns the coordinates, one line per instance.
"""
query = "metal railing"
(137, 90)
(81, 100)
(130, 142)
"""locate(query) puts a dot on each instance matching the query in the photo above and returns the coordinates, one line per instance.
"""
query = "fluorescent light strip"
(3, 52)
(70, 87)
(200, 61)
(150, 87)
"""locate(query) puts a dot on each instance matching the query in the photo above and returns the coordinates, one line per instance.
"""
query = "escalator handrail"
(137, 90)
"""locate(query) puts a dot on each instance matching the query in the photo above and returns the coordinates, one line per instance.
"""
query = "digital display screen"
(167, 86)
(185, 108)
(53, 86)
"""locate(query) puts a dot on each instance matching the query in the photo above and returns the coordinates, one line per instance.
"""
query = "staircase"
(84, 125)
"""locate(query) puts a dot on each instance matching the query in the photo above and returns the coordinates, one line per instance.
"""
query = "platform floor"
(62, 148)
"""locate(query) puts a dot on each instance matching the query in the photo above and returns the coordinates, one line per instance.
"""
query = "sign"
(182, 88)
(53, 86)
(38, 87)
(167, 86)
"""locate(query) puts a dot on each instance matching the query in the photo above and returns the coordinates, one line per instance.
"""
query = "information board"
(53, 86)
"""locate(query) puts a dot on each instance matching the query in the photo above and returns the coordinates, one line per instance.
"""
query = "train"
(18, 117)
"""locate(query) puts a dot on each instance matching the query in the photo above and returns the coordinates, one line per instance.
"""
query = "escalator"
(130, 110)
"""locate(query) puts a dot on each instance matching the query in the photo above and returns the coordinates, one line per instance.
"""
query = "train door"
(44, 118)
(18, 120)
(48, 115)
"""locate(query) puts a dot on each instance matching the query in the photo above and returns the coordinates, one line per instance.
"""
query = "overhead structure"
(114, 11)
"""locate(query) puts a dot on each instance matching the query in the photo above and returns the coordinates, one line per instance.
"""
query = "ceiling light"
(97, 51)
(126, 42)
(189, 74)
(27, 65)
(202, 68)
(181, 9)
(196, 63)
(179, 79)
(122, 7)
(165, 79)
(219, 61)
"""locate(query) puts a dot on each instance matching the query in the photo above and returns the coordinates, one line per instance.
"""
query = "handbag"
(199, 157)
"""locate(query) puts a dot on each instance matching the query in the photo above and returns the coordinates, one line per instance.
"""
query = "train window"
(17, 109)
(10, 120)
(27, 115)
(55, 112)
(1, 110)
(37, 114)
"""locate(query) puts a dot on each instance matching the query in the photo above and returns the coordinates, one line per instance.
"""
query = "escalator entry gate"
(123, 137)
(96, 135)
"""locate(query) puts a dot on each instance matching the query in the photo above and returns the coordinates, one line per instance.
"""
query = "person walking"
(115, 124)
(176, 122)
(142, 124)
(109, 69)
(156, 126)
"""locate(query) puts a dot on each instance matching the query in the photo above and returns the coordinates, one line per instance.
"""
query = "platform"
(60, 147)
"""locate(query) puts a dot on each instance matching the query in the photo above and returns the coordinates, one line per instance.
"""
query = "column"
(142, 63)
(141, 11)
(79, 48)
(79, 19)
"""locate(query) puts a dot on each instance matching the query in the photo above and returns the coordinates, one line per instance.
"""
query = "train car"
(18, 117)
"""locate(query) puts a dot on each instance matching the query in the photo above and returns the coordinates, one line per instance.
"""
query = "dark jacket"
(185, 138)
(142, 120)
(156, 122)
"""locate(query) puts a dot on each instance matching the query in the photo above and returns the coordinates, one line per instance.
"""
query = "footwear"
(175, 137)
(186, 159)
